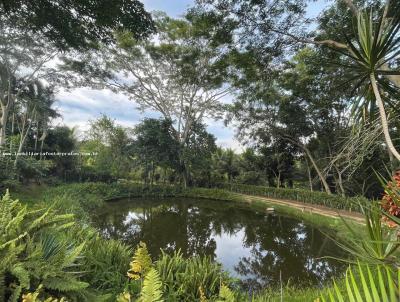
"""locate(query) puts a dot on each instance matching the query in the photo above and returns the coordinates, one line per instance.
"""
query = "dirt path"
(310, 208)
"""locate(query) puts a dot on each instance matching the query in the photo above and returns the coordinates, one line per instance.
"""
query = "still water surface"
(257, 247)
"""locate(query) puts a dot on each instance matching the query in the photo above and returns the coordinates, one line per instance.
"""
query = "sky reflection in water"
(256, 247)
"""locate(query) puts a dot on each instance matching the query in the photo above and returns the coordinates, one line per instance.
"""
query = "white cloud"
(78, 106)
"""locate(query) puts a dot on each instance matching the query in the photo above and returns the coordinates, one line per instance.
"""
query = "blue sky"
(81, 105)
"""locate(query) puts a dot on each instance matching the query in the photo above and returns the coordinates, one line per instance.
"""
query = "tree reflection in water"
(257, 247)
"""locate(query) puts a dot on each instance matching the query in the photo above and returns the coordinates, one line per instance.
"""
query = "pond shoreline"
(233, 234)
(302, 206)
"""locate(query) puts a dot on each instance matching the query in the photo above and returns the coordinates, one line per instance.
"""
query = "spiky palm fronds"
(377, 245)
(375, 45)
(364, 284)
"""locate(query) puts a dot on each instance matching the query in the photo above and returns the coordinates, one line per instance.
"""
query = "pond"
(257, 247)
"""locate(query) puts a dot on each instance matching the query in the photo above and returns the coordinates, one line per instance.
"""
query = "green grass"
(311, 197)
(30, 194)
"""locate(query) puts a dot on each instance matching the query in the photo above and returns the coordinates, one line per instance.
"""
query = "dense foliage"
(89, 22)
(35, 253)
(314, 102)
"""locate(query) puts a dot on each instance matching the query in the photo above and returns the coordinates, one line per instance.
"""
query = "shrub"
(105, 263)
(391, 200)
(33, 254)
(174, 278)
(182, 277)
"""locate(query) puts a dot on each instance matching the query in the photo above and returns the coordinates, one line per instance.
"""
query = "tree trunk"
(37, 131)
(320, 175)
(309, 176)
(22, 143)
(384, 122)
(41, 147)
(308, 153)
(339, 181)
(152, 173)
(12, 131)
(279, 179)
(3, 122)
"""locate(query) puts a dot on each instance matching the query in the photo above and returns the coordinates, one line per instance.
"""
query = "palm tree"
(226, 162)
(376, 45)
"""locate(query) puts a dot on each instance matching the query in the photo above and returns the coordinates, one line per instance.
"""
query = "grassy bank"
(306, 196)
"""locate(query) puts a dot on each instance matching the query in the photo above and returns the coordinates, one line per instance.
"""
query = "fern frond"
(225, 294)
(22, 275)
(152, 287)
(66, 284)
(124, 297)
(2, 286)
(16, 293)
(73, 254)
(141, 262)
(203, 297)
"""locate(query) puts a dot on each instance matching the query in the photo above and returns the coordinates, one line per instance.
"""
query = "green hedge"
(106, 191)
(305, 196)
(87, 192)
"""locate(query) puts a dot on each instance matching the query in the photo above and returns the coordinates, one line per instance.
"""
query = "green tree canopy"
(76, 23)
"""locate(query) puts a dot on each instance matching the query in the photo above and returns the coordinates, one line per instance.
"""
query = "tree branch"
(352, 7)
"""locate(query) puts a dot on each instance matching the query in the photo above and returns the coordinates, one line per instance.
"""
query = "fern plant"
(152, 287)
(141, 262)
(35, 297)
(225, 294)
(32, 252)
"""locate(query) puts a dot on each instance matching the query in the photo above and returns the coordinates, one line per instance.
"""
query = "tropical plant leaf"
(152, 287)
(382, 287)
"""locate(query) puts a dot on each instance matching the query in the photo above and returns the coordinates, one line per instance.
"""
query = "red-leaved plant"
(391, 199)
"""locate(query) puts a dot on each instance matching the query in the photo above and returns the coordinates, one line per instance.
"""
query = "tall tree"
(34, 33)
(113, 145)
(370, 50)
(155, 146)
(179, 74)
